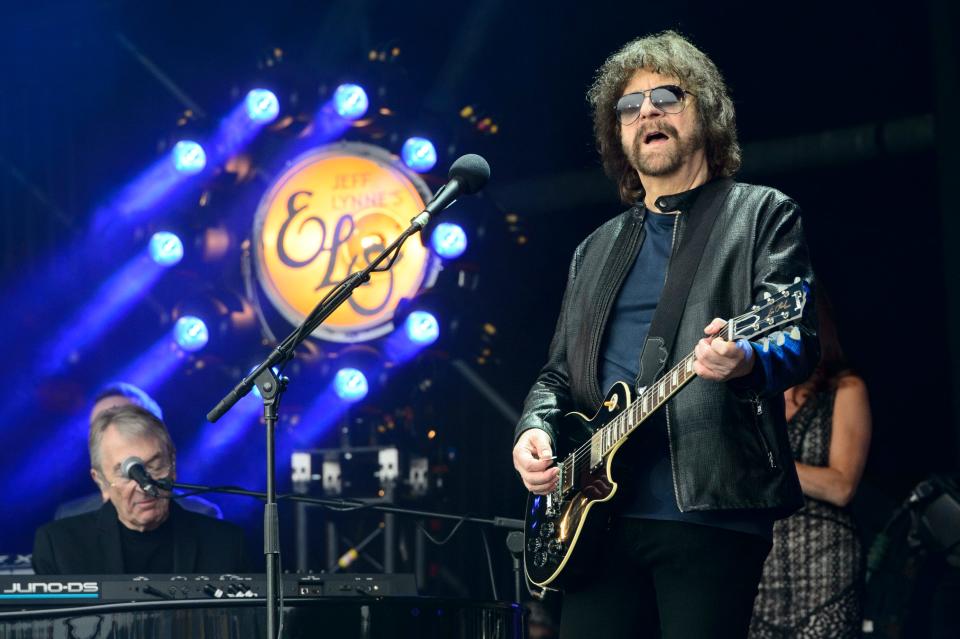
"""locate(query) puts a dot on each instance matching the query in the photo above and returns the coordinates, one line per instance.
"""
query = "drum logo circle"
(329, 214)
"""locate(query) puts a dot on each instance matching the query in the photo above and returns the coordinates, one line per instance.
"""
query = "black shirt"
(149, 551)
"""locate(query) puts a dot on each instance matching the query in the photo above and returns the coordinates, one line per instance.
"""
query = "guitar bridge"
(552, 508)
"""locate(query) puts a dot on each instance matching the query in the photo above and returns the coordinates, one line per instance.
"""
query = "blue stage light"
(189, 157)
(419, 154)
(262, 106)
(191, 333)
(350, 384)
(449, 240)
(166, 249)
(350, 101)
(422, 327)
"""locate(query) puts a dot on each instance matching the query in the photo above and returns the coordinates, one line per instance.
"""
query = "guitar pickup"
(553, 504)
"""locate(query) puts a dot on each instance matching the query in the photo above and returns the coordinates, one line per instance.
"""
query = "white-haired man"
(134, 532)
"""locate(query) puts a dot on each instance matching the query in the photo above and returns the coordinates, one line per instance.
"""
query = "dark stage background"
(844, 106)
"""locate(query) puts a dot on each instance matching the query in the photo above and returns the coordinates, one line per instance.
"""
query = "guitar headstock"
(779, 309)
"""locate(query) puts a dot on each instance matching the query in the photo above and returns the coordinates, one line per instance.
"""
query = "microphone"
(467, 175)
(133, 468)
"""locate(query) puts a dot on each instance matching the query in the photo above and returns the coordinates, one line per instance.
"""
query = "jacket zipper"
(757, 414)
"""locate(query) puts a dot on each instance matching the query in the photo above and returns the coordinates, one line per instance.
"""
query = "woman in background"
(812, 578)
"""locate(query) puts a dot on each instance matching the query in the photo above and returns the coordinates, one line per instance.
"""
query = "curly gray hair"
(668, 53)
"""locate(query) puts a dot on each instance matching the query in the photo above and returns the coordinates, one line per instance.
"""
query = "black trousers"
(668, 579)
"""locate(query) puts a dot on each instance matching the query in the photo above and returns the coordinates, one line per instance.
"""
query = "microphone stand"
(272, 385)
(508, 523)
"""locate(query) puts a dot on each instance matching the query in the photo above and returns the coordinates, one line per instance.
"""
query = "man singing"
(134, 532)
(710, 471)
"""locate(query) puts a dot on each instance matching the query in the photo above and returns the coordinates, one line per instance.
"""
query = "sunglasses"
(667, 99)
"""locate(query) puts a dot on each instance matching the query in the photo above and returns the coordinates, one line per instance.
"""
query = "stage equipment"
(190, 333)
(370, 474)
(467, 176)
(350, 101)
(262, 106)
(186, 605)
(449, 240)
(133, 468)
(329, 214)
(350, 384)
(188, 157)
(421, 327)
(165, 248)
(32, 591)
(919, 544)
(419, 154)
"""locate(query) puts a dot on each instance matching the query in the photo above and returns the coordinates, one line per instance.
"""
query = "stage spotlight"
(350, 101)
(166, 249)
(419, 154)
(421, 327)
(190, 333)
(189, 157)
(449, 240)
(350, 384)
(262, 106)
(229, 321)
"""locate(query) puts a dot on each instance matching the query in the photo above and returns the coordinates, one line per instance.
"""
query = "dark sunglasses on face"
(668, 99)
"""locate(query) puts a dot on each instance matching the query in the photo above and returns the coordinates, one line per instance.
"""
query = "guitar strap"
(673, 299)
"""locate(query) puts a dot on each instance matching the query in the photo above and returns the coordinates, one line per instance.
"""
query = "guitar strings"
(585, 449)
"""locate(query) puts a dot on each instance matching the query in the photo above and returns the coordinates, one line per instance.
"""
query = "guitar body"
(561, 530)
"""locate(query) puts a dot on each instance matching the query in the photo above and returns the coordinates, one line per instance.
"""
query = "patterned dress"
(812, 578)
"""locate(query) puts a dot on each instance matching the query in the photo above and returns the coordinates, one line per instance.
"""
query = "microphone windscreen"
(472, 171)
(129, 463)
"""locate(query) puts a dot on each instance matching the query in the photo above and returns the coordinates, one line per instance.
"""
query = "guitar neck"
(652, 398)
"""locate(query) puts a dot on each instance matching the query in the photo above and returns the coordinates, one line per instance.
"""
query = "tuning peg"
(794, 333)
(796, 280)
(767, 295)
(765, 343)
(780, 337)
(755, 307)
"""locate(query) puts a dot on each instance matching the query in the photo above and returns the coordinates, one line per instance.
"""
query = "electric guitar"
(560, 527)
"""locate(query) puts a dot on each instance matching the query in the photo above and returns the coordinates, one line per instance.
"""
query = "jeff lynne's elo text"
(329, 214)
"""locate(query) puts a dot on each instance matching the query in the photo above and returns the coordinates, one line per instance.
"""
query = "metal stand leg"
(332, 553)
(389, 542)
(515, 546)
(302, 528)
(420, 557)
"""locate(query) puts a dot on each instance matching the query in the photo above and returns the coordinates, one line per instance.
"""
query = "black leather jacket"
(728, 441)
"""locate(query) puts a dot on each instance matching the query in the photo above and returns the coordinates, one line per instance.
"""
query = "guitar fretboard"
(620, 427)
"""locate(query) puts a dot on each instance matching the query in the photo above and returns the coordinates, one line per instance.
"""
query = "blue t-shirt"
(633, 309)
(647, 454)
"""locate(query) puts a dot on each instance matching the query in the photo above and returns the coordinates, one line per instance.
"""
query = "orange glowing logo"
(330, 214)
